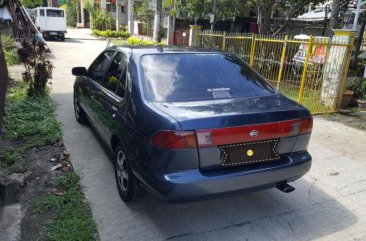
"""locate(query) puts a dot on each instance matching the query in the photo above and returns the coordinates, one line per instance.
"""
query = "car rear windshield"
(201, 76)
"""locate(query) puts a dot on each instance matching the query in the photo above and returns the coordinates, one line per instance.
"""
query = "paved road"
(329, 203)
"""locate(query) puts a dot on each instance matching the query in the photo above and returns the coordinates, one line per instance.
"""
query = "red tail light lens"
(306, 125)
(174, 139)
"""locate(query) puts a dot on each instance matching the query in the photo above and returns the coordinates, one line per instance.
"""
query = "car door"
(111, 97)
(90, 87)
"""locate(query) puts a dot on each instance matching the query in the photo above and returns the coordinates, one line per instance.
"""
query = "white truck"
(51, 22)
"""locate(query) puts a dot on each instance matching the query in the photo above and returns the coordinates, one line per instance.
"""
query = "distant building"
(107, 5)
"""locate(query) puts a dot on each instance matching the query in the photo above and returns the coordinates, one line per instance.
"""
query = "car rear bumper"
(193, 185)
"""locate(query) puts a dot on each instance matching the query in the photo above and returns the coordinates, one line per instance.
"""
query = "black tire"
(79, 112)
(62, 37)
(126, 182)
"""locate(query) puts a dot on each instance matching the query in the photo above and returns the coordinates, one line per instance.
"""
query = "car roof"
(137, 51)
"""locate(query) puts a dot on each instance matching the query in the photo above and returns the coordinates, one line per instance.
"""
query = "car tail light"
(174, 139)
(306, 125)
(267, 131)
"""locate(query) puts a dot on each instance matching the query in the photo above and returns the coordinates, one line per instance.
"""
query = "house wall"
(107, 5)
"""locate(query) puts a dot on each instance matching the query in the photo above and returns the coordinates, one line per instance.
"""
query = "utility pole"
(213, 16)
(130, 17)
(157, 21)
(3, 86)
(117, 15)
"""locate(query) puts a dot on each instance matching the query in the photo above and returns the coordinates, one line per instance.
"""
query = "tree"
(3, 86)
(336, 7)
(289, 8)
(31, 3)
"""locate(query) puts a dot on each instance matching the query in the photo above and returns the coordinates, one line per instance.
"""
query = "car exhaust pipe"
(286, 188)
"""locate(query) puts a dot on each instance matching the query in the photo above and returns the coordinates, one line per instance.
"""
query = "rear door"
(56, 20)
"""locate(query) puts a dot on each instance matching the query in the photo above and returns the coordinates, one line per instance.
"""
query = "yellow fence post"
(252, 51)
(282, 62)
(348, 60)
(223, 48)
(303, 77)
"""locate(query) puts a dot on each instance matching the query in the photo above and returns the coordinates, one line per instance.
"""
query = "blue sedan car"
(189, 124)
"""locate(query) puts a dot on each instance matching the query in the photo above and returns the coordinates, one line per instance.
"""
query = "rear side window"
(55, 13)
(99, 67)
(193, 77)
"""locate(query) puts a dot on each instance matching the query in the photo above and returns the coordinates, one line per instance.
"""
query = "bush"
(137, 41)
(10, 52)
(38, 70)
(111, 34)
(358, 86)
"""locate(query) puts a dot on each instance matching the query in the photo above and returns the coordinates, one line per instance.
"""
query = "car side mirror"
(78, 71)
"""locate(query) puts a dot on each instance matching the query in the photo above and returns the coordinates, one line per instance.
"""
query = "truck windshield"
(193, 77)
(55, 13)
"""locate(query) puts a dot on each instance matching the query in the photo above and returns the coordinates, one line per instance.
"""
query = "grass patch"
(74, 221)
(311, 99)
(361, 126)
(30, 119)
(10, 51)
(11, 155)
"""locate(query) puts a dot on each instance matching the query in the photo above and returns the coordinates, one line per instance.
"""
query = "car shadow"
(307, 213)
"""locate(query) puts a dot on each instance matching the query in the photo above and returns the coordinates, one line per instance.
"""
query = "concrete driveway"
(329, 203)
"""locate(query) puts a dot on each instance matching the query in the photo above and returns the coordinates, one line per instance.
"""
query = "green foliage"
(137, 41)
(100, 19)
(10, 52)
(358, 86)
(74, 220)
(71, 9)
(193, 9)
(11, 155)
(38, 70)
(111, 34)
(31, 3)
(30, 119)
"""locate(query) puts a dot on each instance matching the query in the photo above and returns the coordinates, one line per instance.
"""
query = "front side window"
(116, 72)
(99, 67)
(199, 76)
(55, 13)
(41, 12)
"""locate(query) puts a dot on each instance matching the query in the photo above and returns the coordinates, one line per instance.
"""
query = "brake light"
(174, 139)
(267, 131)
(306, 125)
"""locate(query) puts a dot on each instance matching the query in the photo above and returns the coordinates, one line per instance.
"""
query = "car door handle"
(114, 115)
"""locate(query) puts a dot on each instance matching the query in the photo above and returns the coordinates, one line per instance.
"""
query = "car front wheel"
(79, 112)
(126, 181)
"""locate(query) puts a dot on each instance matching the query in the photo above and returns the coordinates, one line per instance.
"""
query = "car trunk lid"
(227, 129)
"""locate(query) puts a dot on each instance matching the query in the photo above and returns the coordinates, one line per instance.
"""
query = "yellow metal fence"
(311, 71)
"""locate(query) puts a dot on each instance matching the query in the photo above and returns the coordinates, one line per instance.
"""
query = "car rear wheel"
(79, 112)
(126, 181)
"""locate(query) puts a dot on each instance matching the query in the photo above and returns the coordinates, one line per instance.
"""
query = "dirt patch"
(353, 119)
(36, 163)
